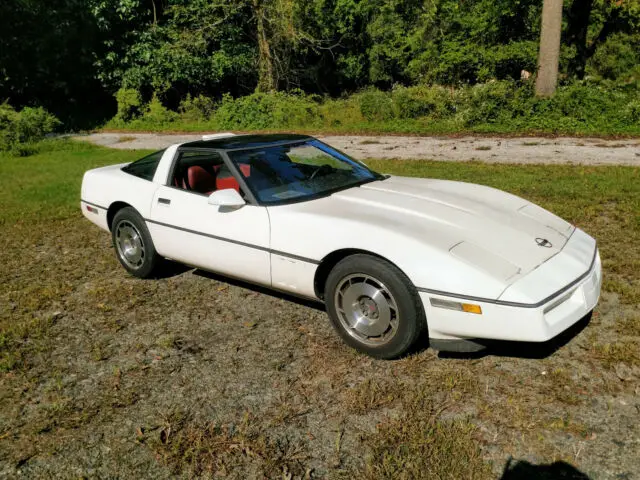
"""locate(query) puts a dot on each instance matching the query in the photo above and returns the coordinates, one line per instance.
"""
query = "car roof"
(247, 141)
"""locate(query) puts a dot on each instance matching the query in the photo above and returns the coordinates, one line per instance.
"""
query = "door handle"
(164, 201)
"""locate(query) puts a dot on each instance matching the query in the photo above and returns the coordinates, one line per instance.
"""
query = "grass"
(51, 190)
(71, 316)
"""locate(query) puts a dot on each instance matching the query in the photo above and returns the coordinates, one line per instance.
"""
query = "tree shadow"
(533, 350)
(523, 470)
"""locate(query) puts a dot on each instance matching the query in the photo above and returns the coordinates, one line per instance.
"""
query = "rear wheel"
(133, 244)
(374, 306)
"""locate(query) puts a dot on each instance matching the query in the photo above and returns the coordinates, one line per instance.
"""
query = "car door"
(185, 227)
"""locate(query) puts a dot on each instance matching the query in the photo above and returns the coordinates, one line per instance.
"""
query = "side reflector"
(461, 307)
(91, 209)
(471, 308)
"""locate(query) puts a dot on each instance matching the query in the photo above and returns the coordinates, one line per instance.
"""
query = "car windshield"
(293, 173)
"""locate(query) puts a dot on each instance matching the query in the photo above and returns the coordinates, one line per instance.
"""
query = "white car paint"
(455, 241)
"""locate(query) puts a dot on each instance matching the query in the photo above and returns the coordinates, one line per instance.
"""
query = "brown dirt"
(194, 375)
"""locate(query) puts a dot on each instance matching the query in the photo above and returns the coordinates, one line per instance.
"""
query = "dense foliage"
(18, 130)
(75, 57)
(496, 107)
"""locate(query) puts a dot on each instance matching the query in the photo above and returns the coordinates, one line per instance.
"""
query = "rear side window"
(145, 167)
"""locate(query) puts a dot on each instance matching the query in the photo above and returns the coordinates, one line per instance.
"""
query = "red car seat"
(200, 180)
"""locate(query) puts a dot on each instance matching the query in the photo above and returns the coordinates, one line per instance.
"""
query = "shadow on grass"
(523, 470)
(170, 269)
(480, 347)
(534, 350)
(260, 289)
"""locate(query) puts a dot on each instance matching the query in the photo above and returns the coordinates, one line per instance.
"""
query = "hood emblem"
(543, 242)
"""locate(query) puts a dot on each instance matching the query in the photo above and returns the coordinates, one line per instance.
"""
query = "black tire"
(144, 260)
(365, 272)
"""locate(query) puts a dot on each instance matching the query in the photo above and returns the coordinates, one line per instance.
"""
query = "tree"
(590, 23)
(549, 55)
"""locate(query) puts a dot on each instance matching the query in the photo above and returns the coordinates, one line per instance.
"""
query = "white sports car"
(391, 257)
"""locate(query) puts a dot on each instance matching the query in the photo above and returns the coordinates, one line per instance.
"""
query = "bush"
(376, 106)
(261, 111)
(198, 108)
(489, 102)
(617, 58)
(129, 105)
(632, 112)
(155, 114)
(586, 107)
(18, 130)
(341, 112)
(423, 101)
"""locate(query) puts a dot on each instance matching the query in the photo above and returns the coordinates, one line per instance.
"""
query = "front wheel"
(133, 244)
(374, 306)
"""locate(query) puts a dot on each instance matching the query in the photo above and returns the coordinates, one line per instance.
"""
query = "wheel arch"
(332, 259)
(114, 208)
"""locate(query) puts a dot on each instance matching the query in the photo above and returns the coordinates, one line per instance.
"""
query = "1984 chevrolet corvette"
(391, 257)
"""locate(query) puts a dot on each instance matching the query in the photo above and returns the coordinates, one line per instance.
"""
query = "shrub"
(341, 112)
(156, 114)
(376, 106)
(198, 108)
(617, 58)
(423, 101)
(632, 112)
(261, 111)
(129, 104)
(20, 129)
(489, 102)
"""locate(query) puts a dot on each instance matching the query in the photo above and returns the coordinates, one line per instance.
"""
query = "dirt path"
(588, 151)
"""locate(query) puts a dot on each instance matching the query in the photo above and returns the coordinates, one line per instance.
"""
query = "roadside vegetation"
(193, 375)
(20, 131)
(499, 107)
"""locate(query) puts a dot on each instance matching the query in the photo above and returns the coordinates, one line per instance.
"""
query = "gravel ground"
(589, 151)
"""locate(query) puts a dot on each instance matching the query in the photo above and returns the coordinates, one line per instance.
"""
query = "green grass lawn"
(42, 230)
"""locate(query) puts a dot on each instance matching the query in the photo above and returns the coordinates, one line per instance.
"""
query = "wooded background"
(72, 56)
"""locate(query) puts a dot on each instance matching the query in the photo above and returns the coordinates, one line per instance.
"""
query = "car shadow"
(498, 348)
(523, 470)
(533, 350)
(260, 289)
(170, 269)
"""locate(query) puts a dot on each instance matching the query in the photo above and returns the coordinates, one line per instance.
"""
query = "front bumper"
(499, 321)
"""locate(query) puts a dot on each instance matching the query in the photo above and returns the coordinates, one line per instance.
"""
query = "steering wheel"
(325, 167)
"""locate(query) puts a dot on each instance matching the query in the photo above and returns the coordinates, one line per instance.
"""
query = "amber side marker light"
(461, 307)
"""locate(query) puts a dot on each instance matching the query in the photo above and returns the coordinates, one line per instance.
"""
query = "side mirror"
(228, 197)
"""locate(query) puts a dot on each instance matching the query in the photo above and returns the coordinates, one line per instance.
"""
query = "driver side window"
(202, 173)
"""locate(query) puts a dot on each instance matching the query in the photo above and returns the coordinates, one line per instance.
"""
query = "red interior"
(202, 181)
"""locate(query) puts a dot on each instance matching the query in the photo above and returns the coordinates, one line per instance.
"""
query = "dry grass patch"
(629, 325)
(611, 354)
(371, 394)
(421, 445)
(242, 450)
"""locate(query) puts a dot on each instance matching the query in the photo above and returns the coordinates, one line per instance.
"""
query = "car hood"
(495, 231)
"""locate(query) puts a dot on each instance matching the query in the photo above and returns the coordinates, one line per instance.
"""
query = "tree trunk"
(579, 15)
(549, 48)
(266, 78)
